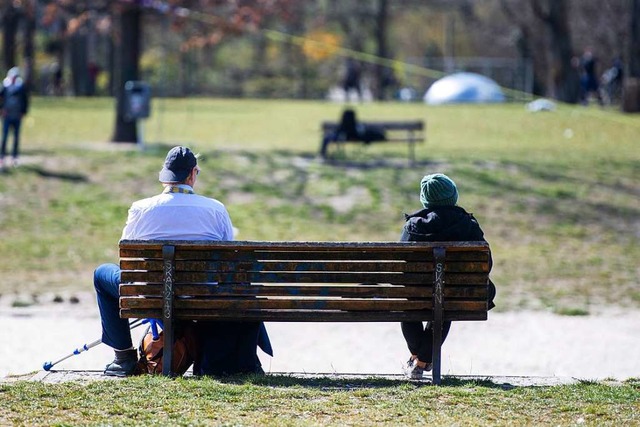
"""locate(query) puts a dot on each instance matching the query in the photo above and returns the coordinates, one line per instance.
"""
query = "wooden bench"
(410, 132)
(304, 282)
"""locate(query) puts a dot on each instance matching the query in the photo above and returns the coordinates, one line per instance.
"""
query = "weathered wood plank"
(299, 277)
(241, 304)
(360, 291)
(387, 247)
(329, 265)
(206, 255)
(306, 316)
(236, 304)
(409, 125)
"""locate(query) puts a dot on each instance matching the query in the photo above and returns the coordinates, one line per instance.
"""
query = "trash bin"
(137, 100)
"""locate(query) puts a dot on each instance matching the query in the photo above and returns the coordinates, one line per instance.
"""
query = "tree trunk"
(383, 73)
(127, 50)
(10, 22)
(631, 90)
(29, 50)
(79, 69)
(564, 74)
(634, 42)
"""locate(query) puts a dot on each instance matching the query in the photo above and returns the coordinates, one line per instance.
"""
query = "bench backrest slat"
(302, 277)
(312, 290)
(414, 125)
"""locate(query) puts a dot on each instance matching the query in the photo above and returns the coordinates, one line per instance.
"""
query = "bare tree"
(631, 101)
(127, 39)
(634, 43)
(11, 16)
(18, 15)
(564, 71)
(384, 74)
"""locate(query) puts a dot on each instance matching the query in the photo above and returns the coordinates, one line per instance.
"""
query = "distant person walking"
(589, 77)
(15, 103)
(440, 220)
(352, 79)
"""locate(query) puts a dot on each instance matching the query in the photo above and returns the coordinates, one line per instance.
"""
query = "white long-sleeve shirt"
(178, 216)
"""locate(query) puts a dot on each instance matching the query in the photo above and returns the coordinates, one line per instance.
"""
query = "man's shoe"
(124, 368)
(123, 365)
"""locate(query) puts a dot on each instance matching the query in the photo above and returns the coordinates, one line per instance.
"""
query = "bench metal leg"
(412, 149)
(168, 257)
(438, 302)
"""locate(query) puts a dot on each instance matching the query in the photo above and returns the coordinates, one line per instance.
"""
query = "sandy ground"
(599, 346)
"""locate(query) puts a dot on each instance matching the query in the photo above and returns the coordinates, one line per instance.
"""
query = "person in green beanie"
(440, 219)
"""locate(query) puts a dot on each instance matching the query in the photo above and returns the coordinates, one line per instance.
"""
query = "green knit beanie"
(438, 190)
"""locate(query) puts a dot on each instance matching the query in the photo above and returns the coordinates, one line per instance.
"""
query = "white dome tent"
(464, 87)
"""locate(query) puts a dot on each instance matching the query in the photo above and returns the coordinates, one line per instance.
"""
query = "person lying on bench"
(440, 220)
(350, 130)
(178, 213)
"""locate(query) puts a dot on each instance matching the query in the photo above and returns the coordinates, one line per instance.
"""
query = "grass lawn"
(279, 400)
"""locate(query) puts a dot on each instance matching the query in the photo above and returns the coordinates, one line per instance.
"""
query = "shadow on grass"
(383, 163)
(62, 176)
(351, 382)
(368, 162)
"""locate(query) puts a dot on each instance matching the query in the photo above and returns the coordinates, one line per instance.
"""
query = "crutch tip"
(47, 365)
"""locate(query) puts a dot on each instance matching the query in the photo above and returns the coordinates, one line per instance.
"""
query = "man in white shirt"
(175, 214)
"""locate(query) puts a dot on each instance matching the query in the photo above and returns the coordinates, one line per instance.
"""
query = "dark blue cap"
(178, 165)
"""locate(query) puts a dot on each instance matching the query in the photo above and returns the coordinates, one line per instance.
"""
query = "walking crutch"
(48, 365)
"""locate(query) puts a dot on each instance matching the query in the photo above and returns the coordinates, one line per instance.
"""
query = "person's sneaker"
(412, 370)
(123, 365)
(415, 372)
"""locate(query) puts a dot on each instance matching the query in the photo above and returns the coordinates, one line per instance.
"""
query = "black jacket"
(441, 224)
(13, 100)
(445, 224)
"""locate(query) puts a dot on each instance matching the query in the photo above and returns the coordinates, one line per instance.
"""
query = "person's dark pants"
(326, 140)
(227, 348)
(419, 338)
(115, 330)
(7, 125)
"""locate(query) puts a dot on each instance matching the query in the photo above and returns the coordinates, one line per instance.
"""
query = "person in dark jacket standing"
(14, 106)
(440, 220)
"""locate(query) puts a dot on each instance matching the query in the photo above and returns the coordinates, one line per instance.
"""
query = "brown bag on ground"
(185, 349)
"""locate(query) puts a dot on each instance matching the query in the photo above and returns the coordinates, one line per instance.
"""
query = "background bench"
(410, 132)
(304, 282)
